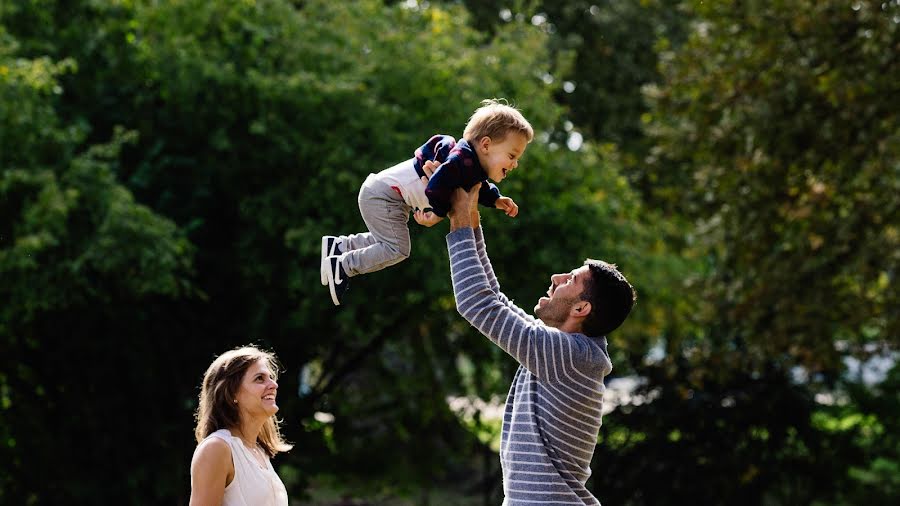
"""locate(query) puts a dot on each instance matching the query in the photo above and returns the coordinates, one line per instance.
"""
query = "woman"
(237, 433)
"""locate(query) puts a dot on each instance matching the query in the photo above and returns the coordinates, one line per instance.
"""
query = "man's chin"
(540, 305)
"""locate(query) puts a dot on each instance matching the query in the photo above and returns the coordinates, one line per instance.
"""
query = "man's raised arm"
(546, 352)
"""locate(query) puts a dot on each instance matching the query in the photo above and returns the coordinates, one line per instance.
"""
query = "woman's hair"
(221, 382)
(496, 119)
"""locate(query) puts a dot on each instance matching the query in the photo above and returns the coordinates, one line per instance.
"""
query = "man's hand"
(508, 206)
(426, 218)
(464, 208)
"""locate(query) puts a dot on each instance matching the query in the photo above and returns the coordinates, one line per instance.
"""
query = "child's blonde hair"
(496, 119)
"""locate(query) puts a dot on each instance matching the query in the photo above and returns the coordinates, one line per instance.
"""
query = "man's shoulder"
(598, 354)
(590, 352)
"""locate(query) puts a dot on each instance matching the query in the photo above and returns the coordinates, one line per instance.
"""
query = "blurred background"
(168, 169)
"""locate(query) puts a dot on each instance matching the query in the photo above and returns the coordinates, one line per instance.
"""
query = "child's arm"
(437, 148)
(426, 218)
(488, 194)
(508, 206)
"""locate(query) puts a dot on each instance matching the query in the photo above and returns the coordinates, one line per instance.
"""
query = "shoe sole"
(330, 274)
(323, 267)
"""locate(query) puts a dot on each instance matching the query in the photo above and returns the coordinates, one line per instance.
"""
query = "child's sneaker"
(331, 246)
(338, 281)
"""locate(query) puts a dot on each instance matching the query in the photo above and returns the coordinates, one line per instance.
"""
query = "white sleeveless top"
(252, 485)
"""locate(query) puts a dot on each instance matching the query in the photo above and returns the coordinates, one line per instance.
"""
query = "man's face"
(565, 290)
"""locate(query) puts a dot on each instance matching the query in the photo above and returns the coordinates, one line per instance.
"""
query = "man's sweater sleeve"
(492, 278)
(548, 353)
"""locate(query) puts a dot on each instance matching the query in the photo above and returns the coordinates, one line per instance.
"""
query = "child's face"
(499, 158)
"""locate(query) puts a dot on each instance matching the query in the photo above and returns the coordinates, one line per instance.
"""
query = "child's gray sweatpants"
(387, 241)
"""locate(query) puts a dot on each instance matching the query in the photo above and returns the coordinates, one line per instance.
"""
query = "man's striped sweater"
(553, 410)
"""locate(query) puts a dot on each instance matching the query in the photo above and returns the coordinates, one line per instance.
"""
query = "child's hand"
(508, 206)
(428, 168)
(426, 219)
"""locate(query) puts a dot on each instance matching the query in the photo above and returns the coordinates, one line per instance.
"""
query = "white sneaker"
(331, 246)
(338, 281)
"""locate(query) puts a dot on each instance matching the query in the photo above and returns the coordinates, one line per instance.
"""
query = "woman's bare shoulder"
(212, 451)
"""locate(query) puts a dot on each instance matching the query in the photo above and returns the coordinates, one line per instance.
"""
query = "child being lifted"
(493, 141)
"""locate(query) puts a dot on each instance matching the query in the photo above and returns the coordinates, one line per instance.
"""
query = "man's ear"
(581, 309)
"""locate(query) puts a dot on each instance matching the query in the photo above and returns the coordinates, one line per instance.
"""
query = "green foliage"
(78, 258)
(776, 131)
(255, 124)
(31, 133)
(614, 48)
(169, 167)
(870, 417)
(70, 232)
(788, 179)
(744, 439)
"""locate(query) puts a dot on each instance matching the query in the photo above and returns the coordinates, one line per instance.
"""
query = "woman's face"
(256, 396)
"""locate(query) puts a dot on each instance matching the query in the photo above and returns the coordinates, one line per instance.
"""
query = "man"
(553, 409)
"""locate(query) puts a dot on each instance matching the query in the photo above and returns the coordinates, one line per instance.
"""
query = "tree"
(774, 130)
(86, 273)
(784, 121)
(255, 124)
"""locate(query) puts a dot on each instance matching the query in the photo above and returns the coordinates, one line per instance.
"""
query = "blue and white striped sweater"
(553, 410)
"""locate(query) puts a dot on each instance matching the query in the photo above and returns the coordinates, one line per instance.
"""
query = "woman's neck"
(248, 431)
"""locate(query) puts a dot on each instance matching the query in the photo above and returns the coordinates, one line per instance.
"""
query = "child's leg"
(387, 241)
(356, 241)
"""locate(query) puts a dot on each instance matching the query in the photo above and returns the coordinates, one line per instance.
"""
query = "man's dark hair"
(611, 297)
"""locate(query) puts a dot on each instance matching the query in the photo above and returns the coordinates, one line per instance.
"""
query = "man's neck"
(569, 326)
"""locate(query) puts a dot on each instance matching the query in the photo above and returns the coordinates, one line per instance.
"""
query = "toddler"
(494, 139)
